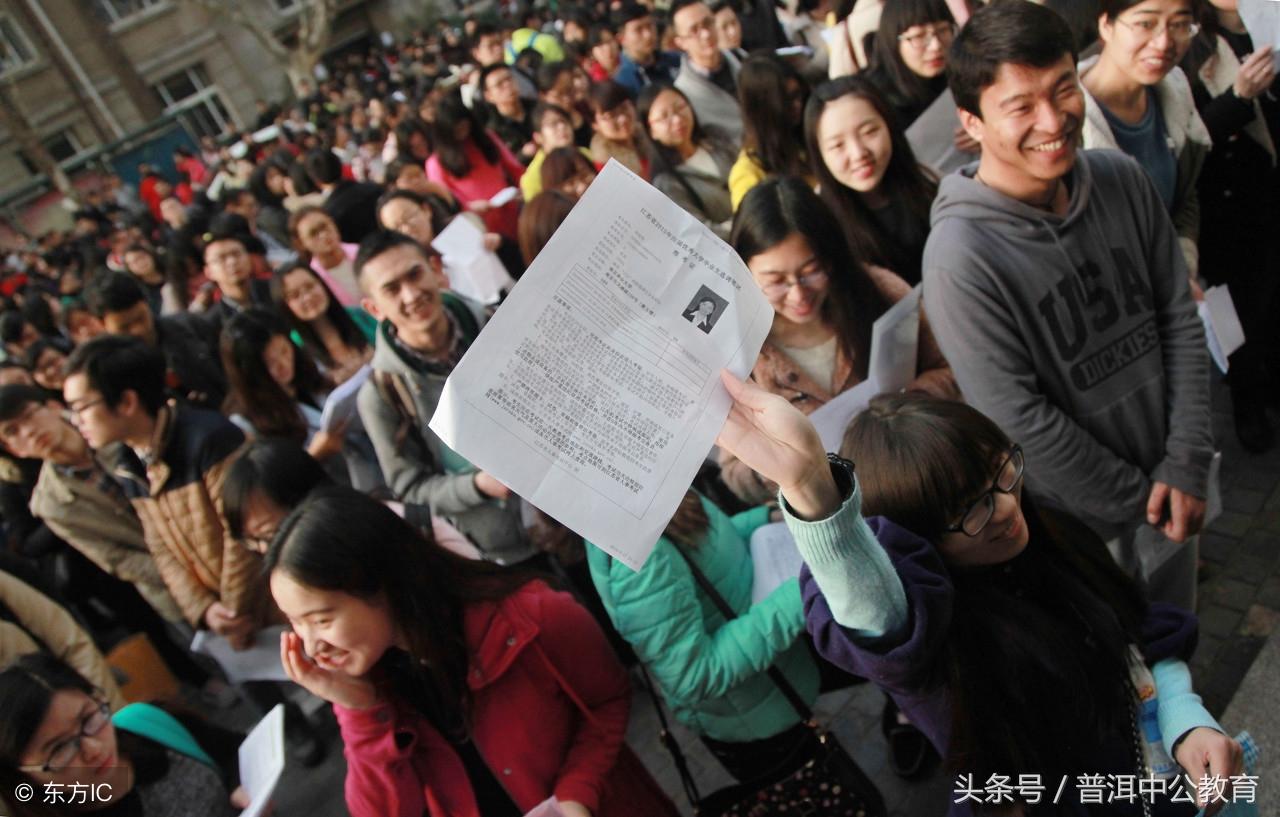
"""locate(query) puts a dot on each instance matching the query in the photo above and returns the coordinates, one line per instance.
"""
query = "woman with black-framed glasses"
(1022, 651)
(62, 752)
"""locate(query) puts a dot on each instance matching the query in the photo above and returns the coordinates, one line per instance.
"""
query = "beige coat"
(105, 529)
(41, 623)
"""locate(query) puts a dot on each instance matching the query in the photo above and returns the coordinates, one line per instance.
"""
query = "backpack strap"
(395, 393)
(155, 724)
(464, 316)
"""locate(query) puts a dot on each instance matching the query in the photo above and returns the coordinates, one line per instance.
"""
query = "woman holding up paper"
(960, 597)
(868, 175)
(59, 733)
(461, 688)
(1233, 83)
(824, 303)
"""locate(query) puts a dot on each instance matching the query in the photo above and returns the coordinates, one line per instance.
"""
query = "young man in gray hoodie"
(422, 334)
(1054, 283)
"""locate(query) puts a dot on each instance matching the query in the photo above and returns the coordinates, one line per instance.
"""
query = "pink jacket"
(483, 182)
(340, 291)
(549, 716)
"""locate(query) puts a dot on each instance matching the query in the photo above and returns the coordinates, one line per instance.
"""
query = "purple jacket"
(891, 663)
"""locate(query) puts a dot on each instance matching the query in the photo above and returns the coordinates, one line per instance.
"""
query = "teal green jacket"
(712, 673)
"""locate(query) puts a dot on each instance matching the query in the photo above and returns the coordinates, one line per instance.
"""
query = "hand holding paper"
(262, 761)
(594, 392)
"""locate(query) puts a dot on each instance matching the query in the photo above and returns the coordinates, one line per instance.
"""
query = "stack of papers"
(262, 761)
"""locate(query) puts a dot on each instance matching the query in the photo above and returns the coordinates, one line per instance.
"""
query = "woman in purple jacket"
(1008, 636)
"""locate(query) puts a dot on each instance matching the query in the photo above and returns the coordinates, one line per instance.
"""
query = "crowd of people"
(1014, 562)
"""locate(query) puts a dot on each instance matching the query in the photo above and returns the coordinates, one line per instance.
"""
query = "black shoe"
(303, 739)
(1253, 428)
(911, 755)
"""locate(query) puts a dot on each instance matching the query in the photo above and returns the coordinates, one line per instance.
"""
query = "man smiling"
(1055, 285)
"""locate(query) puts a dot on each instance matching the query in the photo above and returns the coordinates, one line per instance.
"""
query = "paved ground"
(1239, 608)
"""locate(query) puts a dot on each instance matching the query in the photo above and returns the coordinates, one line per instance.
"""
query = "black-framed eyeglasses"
(65, 753)
(980, 511)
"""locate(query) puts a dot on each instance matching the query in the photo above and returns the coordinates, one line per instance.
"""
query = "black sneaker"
(911, 755)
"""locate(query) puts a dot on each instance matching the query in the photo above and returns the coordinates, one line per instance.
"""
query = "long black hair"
(904, 88)
(450, 113)
(770, 134)
(663, 159)
(279, 469)
(1055, 623)
(905, 183)
(252, 390)
(341, 540)
(335, 312)
(783, 206)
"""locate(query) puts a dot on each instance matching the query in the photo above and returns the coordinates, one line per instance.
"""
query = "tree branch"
(234, 11)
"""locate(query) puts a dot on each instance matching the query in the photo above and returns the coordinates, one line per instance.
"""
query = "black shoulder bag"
(828, 783)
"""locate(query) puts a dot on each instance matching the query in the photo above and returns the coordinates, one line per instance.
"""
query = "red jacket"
(539, 663)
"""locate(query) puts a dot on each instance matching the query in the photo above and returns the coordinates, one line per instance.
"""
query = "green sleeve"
(657, 610)
(745, 523)
(366, 323)
(852, 569)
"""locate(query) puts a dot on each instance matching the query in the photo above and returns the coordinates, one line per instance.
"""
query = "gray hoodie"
(1076, 334)
(416, 476)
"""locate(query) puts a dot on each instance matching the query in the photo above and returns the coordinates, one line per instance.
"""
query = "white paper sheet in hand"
(833, 417)
(774, 559)
(1222, 328)
(933, 136)
(262, 761)
(1262, 21)
(473, 271)
(594, 392)
(340, 405)
(895, 341)
(261, 662)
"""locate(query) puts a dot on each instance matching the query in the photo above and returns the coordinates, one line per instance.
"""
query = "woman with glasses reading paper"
(824, 300)
(1137, 100)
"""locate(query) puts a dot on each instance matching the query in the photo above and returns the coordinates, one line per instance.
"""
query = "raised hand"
(776, 440)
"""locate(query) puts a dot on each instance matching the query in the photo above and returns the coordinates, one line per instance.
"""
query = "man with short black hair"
(1056, 288)
(708, 74)
(351, 204)
(508, 112)
(171, 470)
(193, 370)
(642, 62)
(422, 335)
(229, 267)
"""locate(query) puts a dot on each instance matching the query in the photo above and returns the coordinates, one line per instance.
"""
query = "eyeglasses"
(619, 114)
(258, 542)
(678, 109)
(1180, 31)
(943, 32)
(83, 407)
(65, 753)
(779, 290)
(979, 513)
(225, 258)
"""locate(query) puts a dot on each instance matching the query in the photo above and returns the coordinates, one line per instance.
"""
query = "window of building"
(113, 11)
(197, 100)
(61, 146)
(16, 50)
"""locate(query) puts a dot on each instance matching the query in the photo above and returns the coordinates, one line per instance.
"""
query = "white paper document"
(933, 136)
(340, 405)
(547, 808)
(594, 392)
(833, 417)
(895, 344)
(261, 662)
(774, 559)
(262, 761)
(473, 271)
(1222, 328)
(1262, 21)
(504, 196)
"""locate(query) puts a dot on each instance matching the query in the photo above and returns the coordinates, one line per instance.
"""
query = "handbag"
(828, 782)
